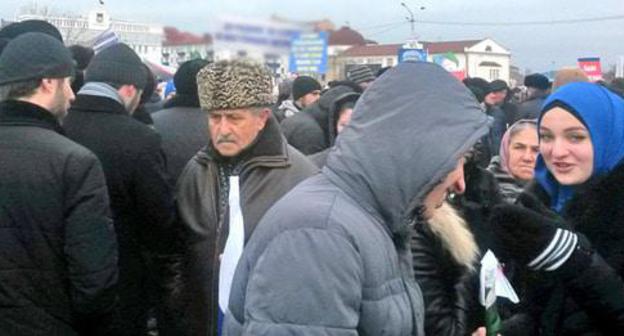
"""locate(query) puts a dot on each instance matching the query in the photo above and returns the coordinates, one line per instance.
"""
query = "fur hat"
(227, 85)
(537, 81)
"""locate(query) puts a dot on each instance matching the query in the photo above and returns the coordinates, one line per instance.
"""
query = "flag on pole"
(104, 40)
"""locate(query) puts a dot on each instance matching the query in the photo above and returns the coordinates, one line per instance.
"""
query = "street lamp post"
(412, 42)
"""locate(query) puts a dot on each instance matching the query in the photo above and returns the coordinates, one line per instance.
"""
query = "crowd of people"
(359, 207)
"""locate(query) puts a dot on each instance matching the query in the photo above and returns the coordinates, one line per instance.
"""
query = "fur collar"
(596, 211)
(456, 238)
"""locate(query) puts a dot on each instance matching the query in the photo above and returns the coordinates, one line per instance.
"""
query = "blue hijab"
(602, 112)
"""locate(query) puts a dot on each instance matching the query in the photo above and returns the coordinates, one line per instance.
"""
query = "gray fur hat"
(227, 85)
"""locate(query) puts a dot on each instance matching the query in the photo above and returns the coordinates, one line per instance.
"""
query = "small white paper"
(493, 282)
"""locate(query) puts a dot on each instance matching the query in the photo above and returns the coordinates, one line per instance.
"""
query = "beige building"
(145, 39)
(471, 58)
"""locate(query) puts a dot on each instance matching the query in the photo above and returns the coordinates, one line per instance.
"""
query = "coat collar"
(20, 113)
(598, 192)
(89, 103)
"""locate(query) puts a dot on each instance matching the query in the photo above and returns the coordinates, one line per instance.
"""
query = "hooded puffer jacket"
(332, 257)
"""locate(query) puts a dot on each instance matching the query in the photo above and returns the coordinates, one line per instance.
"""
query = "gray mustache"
(224, 139)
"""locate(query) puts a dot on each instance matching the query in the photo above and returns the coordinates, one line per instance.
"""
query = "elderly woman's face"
(523, 150)
(566, 146)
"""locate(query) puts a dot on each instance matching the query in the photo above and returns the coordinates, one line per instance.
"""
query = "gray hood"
(407, 132)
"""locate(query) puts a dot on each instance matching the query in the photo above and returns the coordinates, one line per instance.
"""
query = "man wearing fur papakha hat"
(229, 185)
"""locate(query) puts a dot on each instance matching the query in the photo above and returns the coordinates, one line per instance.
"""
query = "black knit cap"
(537, 81)
(303, 85)
(16, 29)
(34, 56)
(185, 79)
(498, 85)
(117, 64)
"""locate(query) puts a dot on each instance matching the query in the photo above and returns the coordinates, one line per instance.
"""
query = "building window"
(488, 49)
(494, 74)
(390, 61)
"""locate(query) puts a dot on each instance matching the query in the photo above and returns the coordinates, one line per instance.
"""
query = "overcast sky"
(538, 47)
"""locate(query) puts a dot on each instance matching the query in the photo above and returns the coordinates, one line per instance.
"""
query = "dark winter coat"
(320, 158)
(475, 205)
(58, 260)
(332, 257)
(184, 131)
(309, 131)
(509, 186)
(445, 266)
(596, 212)
(530, 109)
(140, 191)
(267, 170)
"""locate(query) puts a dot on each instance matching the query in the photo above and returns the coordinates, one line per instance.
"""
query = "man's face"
(343, 119)
(365, 85)
(231, 131)
(309, 98)
(62, 97)
(496, 97)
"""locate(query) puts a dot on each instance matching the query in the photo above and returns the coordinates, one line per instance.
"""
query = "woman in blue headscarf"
(569, 223)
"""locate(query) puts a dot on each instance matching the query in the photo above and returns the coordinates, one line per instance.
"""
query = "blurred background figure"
(570, 75)
(305, 92)
(361, 75)
(182, 124)
(538, 87)
(82, 55)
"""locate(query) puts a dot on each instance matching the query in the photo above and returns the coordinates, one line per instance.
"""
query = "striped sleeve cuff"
(557, 252)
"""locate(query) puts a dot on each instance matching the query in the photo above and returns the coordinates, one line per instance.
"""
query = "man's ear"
(127, 91)
(47, 85)
(265, 114)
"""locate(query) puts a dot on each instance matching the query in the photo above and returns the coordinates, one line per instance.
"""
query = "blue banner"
(413, 55)
(308, 54)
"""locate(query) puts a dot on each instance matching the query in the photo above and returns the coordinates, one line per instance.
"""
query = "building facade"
(145, 39)
(471, 58)
(179, 47)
